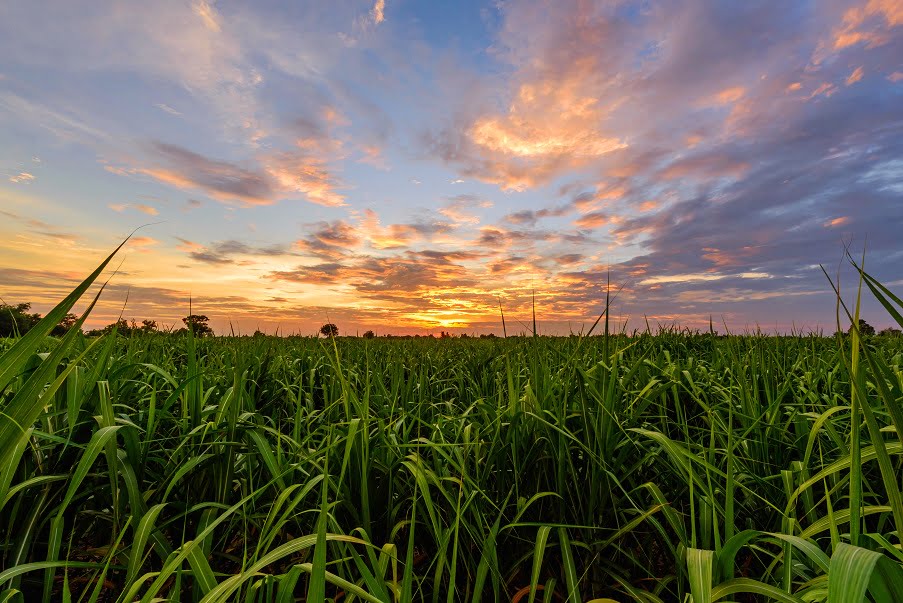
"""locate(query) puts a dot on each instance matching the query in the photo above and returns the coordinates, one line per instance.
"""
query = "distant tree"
(864, 328)
(369, 334)
(148, 326)
(890, 332)
(444, 335)
(487, 335)
(329, 330)
(122, 326)
(67, 323)
(259, 333)
(197, 323)
(16, 319)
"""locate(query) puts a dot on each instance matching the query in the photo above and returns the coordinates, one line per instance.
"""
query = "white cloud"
(64, 126)
(168, 109)
(191, 45)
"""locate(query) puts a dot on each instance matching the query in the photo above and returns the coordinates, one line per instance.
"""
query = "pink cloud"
(145, 209)
(855, 76)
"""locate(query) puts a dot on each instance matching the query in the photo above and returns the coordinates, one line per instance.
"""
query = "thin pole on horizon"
(534, 312)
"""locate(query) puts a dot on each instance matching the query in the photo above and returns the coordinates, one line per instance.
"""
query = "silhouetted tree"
(67, 323)
(197, 323)
(329, 330)
(369, 334)
(16, 319)
(122, 326)
(148, 326)
(890, 332)
(864, 328)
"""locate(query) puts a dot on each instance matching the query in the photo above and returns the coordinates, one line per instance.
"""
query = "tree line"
(19, 319)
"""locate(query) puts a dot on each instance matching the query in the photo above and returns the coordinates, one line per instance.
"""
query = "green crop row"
(665, 467)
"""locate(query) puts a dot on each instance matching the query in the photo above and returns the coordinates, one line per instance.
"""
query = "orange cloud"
(392, 237)
(592, 220)
(303, 170)
(146, 209)
(693, 140)
(338, 234)
(455, 210)
(557, 114)
(119, 171)
(728, 96)
(395, 236)
(837, 222)
(308, 176)
(188, 246)
(896, 76)
(513, 135)
(568, 259)
(378, 12)
(220, 180)
(604, 192)
(208, 15)
(330, 240)
(168, 177)
(869, 23)
(22, 177)
(826, 88)
(855, 76)
(723, 259)
(794, 87)
(373, 155)
(143, 241)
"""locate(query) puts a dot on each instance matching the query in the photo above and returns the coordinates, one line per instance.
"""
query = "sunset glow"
(407, 167)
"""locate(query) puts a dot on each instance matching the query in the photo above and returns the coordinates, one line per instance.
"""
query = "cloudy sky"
(405, 165)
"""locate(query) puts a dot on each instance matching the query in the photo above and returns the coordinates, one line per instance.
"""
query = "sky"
(411, 166)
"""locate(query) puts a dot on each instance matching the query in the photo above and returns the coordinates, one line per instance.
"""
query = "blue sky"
(402, 165)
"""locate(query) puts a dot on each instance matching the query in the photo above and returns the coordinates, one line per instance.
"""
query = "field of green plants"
(666, 467)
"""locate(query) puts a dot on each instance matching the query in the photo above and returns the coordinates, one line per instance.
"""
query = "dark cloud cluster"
(227, 252)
